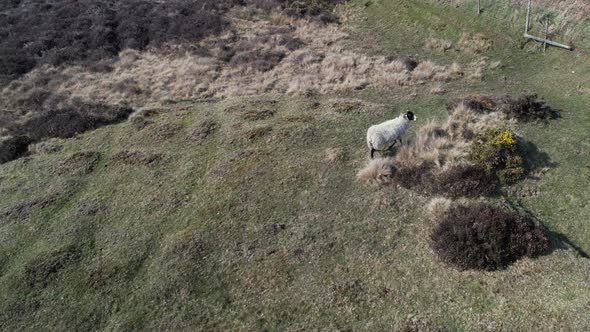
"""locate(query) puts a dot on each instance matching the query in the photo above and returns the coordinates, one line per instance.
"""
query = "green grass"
(214, 237)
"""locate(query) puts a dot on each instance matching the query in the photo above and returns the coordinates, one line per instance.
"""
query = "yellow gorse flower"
(506, 137)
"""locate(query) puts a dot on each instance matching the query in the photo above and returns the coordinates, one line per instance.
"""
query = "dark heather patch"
(485, 237)
(522, 108)
(69, 121)
(12, 148)
(84, 31)
(464, 181)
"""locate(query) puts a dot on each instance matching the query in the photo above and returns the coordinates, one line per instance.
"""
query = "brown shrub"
(481, 236)
(258, 60)
(522, 108)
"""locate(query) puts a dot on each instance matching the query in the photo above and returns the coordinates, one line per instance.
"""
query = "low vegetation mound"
(469, 155)
(484, 237)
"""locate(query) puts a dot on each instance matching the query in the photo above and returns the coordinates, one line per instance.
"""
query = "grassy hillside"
(229, 211)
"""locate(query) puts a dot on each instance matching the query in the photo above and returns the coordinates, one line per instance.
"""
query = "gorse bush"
(484, 237)
(498, 152)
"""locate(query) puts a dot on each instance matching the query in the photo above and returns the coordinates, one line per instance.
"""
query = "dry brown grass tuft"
(438, 89)
(334, 155)
(438, 44)
(278, 18)
(380, 171)
(474, 43)
(438, 207)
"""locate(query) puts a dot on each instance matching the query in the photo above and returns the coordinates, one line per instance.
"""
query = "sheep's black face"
(410, 116)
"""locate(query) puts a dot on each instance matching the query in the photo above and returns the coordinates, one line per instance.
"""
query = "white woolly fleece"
(382, 136)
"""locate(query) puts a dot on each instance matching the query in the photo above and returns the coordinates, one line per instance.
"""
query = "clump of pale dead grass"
(474, 43)
(438, 207)
(438, 44)
(438, 89)
(278, 18)
(380, 171)
(447, 144)
(333, 155)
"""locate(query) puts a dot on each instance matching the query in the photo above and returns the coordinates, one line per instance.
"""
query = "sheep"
(384, 135)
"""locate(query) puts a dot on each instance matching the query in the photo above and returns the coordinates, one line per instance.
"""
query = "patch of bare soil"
(258, 115)
(256, 133)
(43, 269)
(164, 131)
(200, 132)
(137, 158)
(80, 163)
(25, 208)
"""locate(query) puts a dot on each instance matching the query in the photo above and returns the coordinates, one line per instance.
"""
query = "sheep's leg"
(372, 151)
